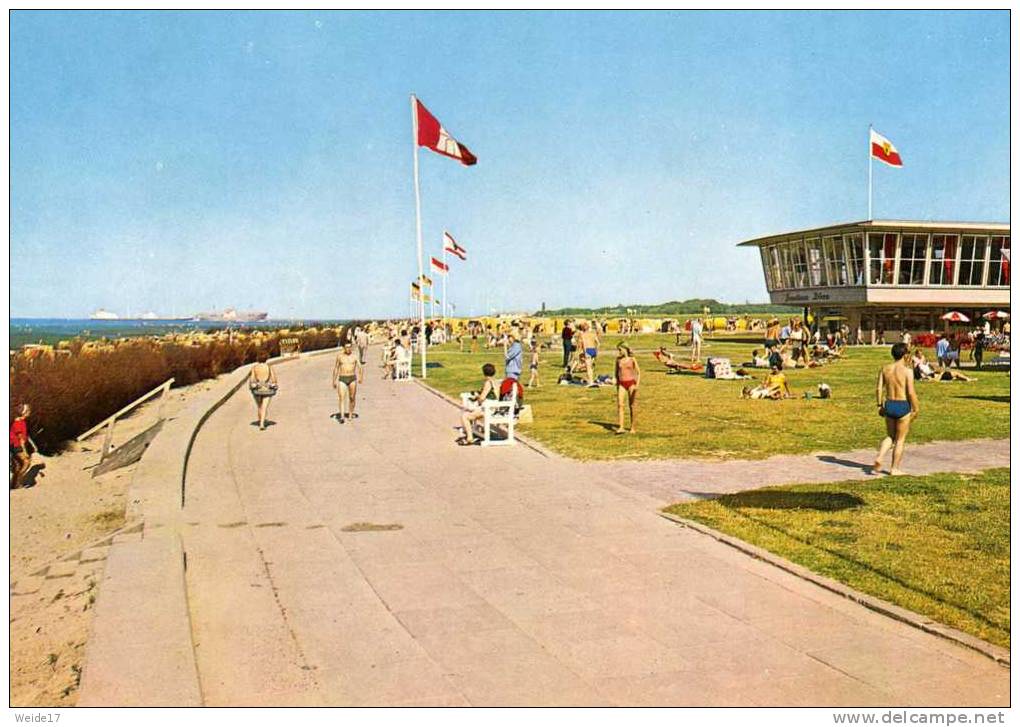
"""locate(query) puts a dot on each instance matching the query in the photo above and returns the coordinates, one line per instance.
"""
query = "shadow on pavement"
(844, 462)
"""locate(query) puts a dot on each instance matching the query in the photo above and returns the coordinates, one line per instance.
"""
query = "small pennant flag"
(439, 267)
(426, 280)
(432, 135)
(883, 150)
(450, 245)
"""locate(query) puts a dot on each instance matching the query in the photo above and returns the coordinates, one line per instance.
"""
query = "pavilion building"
(890, 274)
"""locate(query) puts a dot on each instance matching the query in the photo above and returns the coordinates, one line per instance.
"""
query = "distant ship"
(230, 314)
(104, 315)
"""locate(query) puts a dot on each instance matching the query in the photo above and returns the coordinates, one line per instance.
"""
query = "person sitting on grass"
(922, 369)
(474, 412)
(774, 386)
(758, 360)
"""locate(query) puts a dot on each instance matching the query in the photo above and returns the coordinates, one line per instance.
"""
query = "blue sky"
(180, 161)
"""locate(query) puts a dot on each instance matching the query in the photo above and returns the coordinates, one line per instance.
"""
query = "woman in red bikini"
(628, 377)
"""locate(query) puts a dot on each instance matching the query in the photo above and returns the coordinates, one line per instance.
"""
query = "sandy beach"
(61, 527)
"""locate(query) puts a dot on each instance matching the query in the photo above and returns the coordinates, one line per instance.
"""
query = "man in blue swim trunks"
(897, 403)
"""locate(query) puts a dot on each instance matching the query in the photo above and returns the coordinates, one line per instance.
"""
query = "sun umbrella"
(956, 317)
(996, 314)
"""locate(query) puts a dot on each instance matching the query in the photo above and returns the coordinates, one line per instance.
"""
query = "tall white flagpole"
(446, 274)
(869, 172)
(417, 209)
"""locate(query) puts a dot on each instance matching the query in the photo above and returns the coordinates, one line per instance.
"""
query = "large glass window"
(943, 260)
(882, 251)
(763, 251)
(912, 252)
(972, 259)
(798, 261)
(835, 260)
(775, 264)
(855, 263)
(816, 262)
(998, 265)
(787, 266)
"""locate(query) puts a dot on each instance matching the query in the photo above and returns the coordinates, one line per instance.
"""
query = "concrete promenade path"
(376, 563)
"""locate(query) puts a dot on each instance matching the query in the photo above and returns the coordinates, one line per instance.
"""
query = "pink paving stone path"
(513, 579)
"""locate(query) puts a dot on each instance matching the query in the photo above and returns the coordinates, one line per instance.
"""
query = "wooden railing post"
(108, 440)
(162, 400)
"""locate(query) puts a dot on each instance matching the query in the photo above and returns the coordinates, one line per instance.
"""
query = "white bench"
(402, 369)
(495, 413)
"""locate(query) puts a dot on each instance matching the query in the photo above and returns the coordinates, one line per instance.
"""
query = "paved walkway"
(508, 578)
(672, 481)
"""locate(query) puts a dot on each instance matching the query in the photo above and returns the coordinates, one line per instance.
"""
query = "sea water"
(51, 330)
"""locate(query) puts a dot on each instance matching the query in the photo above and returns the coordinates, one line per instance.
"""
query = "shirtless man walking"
(590, 346)
(347, 374)
(897, 402)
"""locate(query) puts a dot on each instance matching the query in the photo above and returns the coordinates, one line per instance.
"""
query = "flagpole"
(417, 209)
(446, 274)
(870, 164)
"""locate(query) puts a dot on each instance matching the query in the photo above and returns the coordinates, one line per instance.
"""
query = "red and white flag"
(439, 267)
(450, 245)
(883, 150)
(432, 135)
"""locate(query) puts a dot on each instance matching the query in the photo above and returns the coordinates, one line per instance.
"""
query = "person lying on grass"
(666, 359)
(949, 375)
(474, 411)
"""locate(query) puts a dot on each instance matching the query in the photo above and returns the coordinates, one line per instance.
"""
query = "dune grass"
(935, 544)
(684, 416)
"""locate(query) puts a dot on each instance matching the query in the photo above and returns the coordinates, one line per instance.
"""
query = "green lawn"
(937, 544)
(689, 416)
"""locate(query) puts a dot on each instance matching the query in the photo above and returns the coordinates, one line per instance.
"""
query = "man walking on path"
(897, 403)
(361, 341)
(568, 342)
(347, 374)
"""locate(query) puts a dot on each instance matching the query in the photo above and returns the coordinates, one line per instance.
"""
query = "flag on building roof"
(451, 246)
(439, 267)
(883, 150)
(432, 135)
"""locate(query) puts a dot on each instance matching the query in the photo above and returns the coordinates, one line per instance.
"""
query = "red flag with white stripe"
(439, 267)
(450, 245)
(432, 135)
